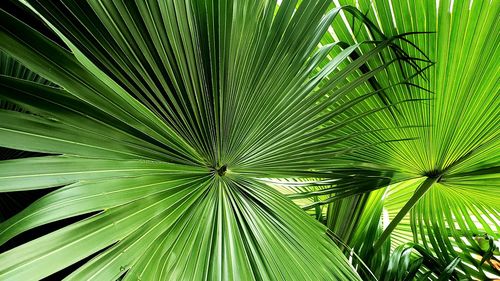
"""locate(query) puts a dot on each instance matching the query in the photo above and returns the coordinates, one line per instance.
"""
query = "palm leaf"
(11, 203)
(169, 116)
(454, 157)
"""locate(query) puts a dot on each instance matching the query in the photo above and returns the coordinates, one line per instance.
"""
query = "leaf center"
(221, 170)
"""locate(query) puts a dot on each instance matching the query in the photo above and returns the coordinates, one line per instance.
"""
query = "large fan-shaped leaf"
(457, 150)
(169, 117)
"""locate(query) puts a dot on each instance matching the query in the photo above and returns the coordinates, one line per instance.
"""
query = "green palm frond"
(396, 258)
(10, 202)
(459, 134)
(168, 117)
(12, 68)
(451, 167)
(428, 223)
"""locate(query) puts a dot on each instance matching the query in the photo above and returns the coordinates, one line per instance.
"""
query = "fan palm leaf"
(11, 203)
(168, 117)
(451, 193)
